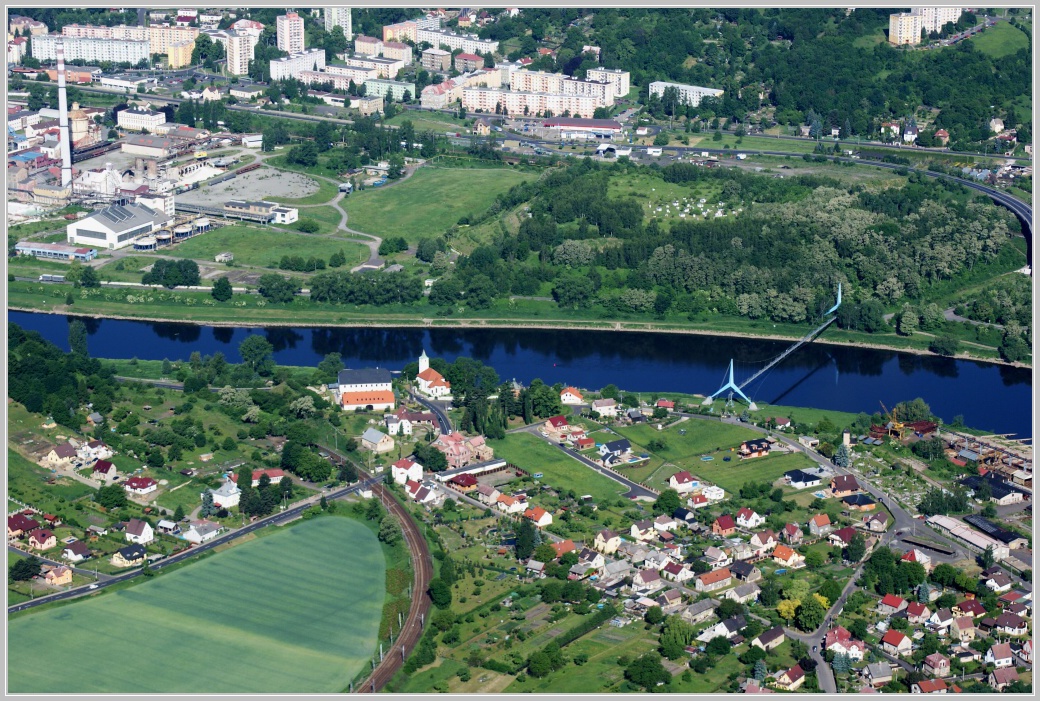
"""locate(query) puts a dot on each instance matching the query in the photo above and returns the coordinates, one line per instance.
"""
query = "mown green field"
(1000, 40)
(429, 202)
(732, 475)
(561, 471)
(294, 612)
(256, 246)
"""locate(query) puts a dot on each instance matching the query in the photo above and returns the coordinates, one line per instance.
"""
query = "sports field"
(255, 246)
(429, 202)
(295, 612)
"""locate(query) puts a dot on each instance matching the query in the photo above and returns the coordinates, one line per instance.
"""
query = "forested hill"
(795, 61)
(779, 253)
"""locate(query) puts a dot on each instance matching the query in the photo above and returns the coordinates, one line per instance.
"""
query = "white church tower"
(424, 362)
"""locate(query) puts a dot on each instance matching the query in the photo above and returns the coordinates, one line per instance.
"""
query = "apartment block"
(447, 93)
(558, 83)
(688, 94)
(367, 46)
(394, 89)
(239, 51)
(136, 119)
(179, 53)
(399, 31)
(44, 48)
(621, 80)
(470, 43)
(384, 67)
(339, 17)
(159, 36)
(290, 32)
(906, 27)
(292, 65)
(340, 76)
(398, 51)
(527, 103)
(435, 60)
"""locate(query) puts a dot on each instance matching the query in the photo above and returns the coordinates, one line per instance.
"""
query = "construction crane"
(897, 427)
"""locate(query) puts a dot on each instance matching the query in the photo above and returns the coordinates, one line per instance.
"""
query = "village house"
(666, 404)
(607, 541)
(486, 494)
(843, 486)
(376, 441)
(42, 539)
(62, 455)
(940, 621)
(713, 493)
(675, 572)
(643, 531)
(918, 556)
(699, 611)
(606, 408)
(1000, 656)
(460, 451)
(556, 426)
(94, 450)
(739, 550)
(745, 571)
(774, 637)
(936, 665)
(1001, 678)
(536, 569)
(226, 496)
(130, 556)
(462, 483)
(840, 641)
(19, 525)
(917, 613)
(140, 485)
(646, 580)
(895, 643)
(963, 628)
(406, 469)
(970, 607)
(615, 451)
(75, 552)
(1011, 624)
(998, 582)
(763, 541)
(859, 502)
(729, 629)
(787, 557)
(682, 482)
(167, 527)
(929, 686)
(791, 534)
(615, 571)
(592, 558)
(743, 593)
(422, 493)
(670, 601)
(820, 525)
(716, 557)
(800, 479)
(842, 537)
(139, 532)
(878, 674)
(104, 470)
(1024, 652)
(571, 396)
(539, 516)
(665, 523)
(563, 547)
(747, 518)
(510, 504)
(754, 449)
(782, 422)
(711, 581)
(891, 604)
(202, 531)
(876, 523)
(791, 679)
(59, 576)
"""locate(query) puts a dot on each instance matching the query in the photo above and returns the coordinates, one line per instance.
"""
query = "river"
(991, 397)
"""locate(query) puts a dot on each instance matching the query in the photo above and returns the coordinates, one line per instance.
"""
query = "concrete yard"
(259, 184)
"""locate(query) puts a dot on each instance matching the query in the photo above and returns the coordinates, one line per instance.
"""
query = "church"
(430, 382)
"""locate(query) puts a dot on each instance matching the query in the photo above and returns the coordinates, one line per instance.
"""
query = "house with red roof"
(790, 679)
(791, 534)
(406, 469)
(891, 604)
(929, 686)
(140, 485)
(820, 525)
(539, 516)
(724, 526)
(275, 474)
(787, 557)
(970, 607)
(936, 665)
(896, 643)
(747, 518)
(842, 537)
(563, 547)
(556, 425)
(19, 525)
(463, 483)
(510, 504)
(716, 579)
(104, 470)
(42, 539)
(921, 558)
(1001, 678)
(570, 395)
(917, 613)
(682, 482)
(665, 404)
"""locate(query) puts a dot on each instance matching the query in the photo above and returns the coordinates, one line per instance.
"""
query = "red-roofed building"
(464, 483)
(539, 516)
(916, 612)
(465, 63)
(665, 404)
(895, 643)
(140, 485)
(20, 525)
(42, 539)
(563, 547)
(716, 579)
(891, 604)
(682, 482)
(929, 686)
(724, 526)
(569, 395)
(790, 679)
(276, 475)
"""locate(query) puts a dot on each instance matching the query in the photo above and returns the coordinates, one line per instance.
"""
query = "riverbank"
(270, 318)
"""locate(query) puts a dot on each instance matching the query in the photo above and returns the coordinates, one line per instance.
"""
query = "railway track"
(422, 567)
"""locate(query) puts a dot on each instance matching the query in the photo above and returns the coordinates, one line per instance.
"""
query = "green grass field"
(732, 475)
(429, 202)
(295, 612)
(562, 472)
(255, 246)
(1000, 40)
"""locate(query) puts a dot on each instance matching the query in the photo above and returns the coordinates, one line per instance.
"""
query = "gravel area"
(255, 185)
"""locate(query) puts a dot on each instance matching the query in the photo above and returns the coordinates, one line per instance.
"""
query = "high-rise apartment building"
(688, 94)
(339, 17)
(290, 33)
(906, 27)
(239, 53)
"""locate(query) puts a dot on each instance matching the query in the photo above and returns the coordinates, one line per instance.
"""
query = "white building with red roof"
(406, 469)
(682, 482)
(429, 381)
(140, 485)
(571, 396)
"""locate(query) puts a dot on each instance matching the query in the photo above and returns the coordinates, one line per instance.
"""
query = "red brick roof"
(715, 576)
(725, 522)
(894, 638)
(892, 600)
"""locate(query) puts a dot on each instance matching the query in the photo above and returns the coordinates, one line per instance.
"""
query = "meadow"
(561, 471)
(429, 202)
(1000, 40)
(264, 247)
(295, 612)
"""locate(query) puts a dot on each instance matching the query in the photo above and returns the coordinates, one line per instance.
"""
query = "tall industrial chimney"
(63, 120)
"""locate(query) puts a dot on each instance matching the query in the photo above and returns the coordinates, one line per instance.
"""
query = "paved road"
(279, 517)
(443, 422)
(78, 570)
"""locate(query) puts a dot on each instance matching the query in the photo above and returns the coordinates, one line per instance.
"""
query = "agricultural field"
(429, 202)
(313, 633)
(561, 471)
(262, 247)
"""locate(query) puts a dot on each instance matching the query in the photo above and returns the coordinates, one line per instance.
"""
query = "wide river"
(991, 397)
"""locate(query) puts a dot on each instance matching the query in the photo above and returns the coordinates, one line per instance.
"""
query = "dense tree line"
(172, 273)
(365, 288)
